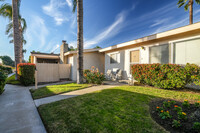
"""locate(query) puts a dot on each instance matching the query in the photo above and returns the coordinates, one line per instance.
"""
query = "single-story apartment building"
(177, 46)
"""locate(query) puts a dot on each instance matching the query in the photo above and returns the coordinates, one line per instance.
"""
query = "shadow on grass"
(56, 89)
(110, 110)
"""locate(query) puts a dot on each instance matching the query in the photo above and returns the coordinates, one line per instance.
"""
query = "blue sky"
(106, 22)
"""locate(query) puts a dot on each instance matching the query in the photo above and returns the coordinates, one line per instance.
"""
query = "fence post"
(36, 80)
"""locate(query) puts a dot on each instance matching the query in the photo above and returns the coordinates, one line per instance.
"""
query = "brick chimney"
(63, 50)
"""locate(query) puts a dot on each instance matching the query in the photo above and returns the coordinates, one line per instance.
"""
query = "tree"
(188, 4)
(7, 61)
(6, 11)
(16, 32)
(78, 4)
(97, 47)
(12, 12)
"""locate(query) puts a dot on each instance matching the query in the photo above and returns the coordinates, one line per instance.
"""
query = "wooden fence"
(52, 72)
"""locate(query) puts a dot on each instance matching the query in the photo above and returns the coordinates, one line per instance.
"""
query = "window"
(159, 54)
(114, 58)
(187, 52)
(135, 57)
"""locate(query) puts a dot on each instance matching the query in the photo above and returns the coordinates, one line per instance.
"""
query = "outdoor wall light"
(143, 48)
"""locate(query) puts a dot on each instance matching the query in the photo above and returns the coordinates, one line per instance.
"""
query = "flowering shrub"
(186, 104)
(176, 123)
(182, 115)
(165, 114)
(26, 73)
(166, 104)
(94, 76)
(177, 108)
(158, 109)
(2, 81)
(165, 76)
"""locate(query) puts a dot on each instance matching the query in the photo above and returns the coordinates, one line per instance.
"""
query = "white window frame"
(153, 45)
(118, 57)
(179, 40)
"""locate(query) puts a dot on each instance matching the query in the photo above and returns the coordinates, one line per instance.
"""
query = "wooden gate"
(52, 72)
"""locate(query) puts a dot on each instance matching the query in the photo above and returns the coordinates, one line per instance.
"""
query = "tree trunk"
(16, 33)
(80, 41)
(191, 11)
(21, 45)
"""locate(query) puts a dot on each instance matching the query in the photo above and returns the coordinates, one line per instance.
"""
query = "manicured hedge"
(6, 70)
(3, 77)
(26, 72)
(167, 76)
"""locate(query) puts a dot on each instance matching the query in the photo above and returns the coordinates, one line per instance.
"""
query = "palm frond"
(9, 28)
(74, 6)
(24, 41)
(180, 1)
(180, 5)
(24, 51)
(198, 2)
(6, 11)
(23, 24)
(186, 7)
(10, 35)
(11, 41)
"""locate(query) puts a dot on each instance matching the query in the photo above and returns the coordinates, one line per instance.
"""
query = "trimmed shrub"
(167, 76)
(3, 77)
(26, 73)
(6, 70)
(93, 76)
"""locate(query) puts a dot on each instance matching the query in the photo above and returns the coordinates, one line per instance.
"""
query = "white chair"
(109, 74)
(119, 75)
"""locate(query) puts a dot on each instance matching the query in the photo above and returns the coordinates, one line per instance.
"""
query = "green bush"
(3, 77)
(93, 76)
(167, 76)
(6, 70)
(26, 73)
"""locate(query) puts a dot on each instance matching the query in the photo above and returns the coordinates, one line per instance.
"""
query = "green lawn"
(120, 109)
(11, 80)
(56, 89)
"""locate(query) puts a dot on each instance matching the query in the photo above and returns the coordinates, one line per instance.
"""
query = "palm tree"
(16, 32)
(79, 5)
(14, 28)
(22, 27)
(188, 4)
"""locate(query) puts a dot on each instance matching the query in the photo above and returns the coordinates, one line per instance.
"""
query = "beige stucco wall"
(144, 53)
(89, 59)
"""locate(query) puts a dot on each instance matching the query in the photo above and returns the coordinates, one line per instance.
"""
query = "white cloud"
(55, 48)
(52, 9)
(175, 24)
(110, 31)
(69, 3)
(37, 30)
(160, 21)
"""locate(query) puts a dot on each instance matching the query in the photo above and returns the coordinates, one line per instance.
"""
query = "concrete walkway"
(50, 99)
(18, 113)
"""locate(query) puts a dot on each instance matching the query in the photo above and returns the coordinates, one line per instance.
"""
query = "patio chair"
(109, 74)
(119, 75)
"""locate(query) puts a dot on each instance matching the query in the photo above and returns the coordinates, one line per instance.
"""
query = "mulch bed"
(186, 125)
